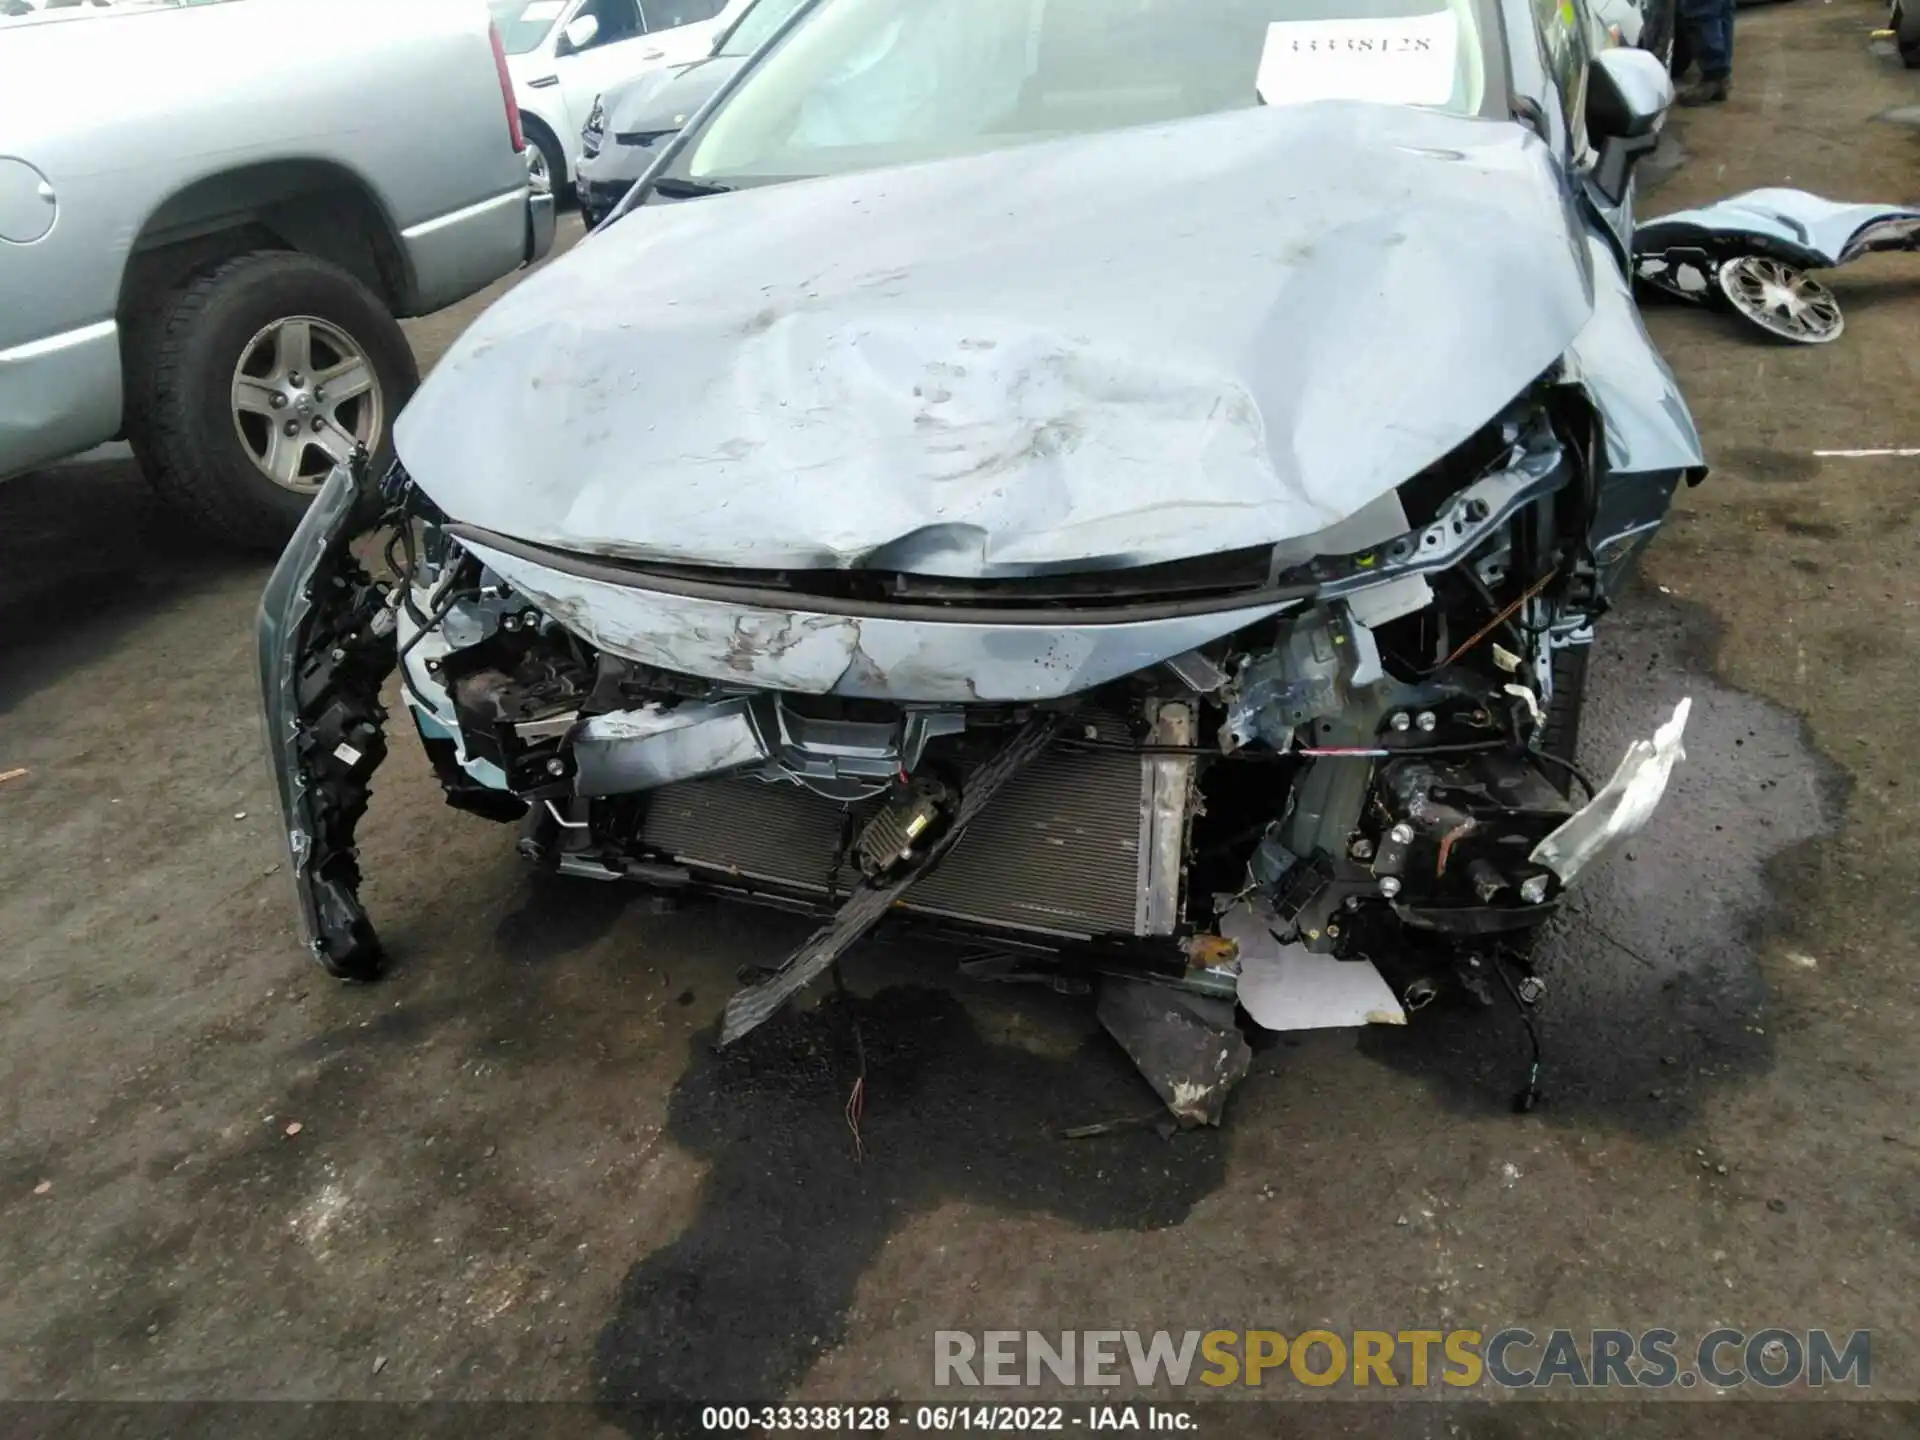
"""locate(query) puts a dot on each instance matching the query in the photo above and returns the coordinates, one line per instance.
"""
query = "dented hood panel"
(1098, 352)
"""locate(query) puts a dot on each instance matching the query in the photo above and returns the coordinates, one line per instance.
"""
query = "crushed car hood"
(1091, 353)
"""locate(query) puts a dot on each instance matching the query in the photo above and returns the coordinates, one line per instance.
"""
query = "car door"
(618, 51)
(1566, 29)
(680, 31)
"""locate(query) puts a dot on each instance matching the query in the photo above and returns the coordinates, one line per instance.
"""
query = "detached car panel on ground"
(1750, 253)
(1119, 545)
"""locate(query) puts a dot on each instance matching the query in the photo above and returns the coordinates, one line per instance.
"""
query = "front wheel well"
(314, 207)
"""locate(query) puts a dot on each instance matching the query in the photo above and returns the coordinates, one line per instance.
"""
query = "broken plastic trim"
(325, 645)
(1623, 806)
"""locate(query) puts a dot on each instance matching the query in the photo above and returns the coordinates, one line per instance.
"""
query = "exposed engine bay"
(1321, 784)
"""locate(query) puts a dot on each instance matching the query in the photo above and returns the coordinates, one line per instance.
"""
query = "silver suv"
(211, 216)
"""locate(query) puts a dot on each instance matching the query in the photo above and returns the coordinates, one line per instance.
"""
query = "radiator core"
(1060, 850)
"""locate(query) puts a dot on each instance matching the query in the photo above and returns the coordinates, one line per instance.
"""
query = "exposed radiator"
(1059, 850)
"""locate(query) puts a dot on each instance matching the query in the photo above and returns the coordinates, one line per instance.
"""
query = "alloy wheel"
(1781, 300)
(304, 396)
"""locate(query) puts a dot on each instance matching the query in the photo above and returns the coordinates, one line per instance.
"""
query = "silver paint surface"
(1110, 350)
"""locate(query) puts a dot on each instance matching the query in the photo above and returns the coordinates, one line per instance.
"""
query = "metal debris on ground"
(1112, 1127)
(1187, 1045)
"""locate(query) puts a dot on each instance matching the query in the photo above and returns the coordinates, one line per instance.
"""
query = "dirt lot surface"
(520, 1171)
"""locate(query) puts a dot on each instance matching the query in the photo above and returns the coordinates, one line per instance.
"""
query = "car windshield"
(524, 23)
(763, 17)
(878, 82)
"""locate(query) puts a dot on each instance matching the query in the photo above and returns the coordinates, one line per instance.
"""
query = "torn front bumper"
(325, 645)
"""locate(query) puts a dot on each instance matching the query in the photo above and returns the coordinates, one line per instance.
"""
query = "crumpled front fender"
(325, 641)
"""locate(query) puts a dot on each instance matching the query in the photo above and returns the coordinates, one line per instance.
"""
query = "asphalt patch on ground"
(1654, 985)
(792, 1211)
(131, 556)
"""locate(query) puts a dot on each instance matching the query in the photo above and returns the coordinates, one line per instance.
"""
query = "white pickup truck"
(211, 216)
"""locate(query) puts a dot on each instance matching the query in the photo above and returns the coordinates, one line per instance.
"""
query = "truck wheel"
(254, 380)
(549, 161)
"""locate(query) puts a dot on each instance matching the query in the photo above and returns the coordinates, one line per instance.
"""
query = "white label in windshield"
(1403, 61)
(542, 10)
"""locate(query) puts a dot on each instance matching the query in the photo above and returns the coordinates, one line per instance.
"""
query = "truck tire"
(228, 409)
(552, 158)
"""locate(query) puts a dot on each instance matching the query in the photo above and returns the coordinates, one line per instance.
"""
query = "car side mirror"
(581, 31)
(1628, 92)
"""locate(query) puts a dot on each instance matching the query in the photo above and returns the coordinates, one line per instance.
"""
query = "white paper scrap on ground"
(1406, 60)
(1288, 987)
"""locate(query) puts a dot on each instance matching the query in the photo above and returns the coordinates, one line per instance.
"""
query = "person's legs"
(1725, 32)
(1708, 27)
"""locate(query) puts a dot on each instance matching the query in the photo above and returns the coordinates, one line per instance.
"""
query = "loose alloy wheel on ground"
(1781, 300)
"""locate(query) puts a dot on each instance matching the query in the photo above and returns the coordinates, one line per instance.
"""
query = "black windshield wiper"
(687, 189)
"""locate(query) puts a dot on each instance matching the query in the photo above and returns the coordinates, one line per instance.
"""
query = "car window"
(523, 24)
(619, 20)
(671, 14)
(872, 82)
(754, 28)
(1566, 47)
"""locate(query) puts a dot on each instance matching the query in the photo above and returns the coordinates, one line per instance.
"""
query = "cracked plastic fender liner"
(1623, 805)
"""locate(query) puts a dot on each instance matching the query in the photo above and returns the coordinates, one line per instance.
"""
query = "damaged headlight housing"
(594, 133)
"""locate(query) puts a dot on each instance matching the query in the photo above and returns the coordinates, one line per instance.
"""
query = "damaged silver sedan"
(1135, 484)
